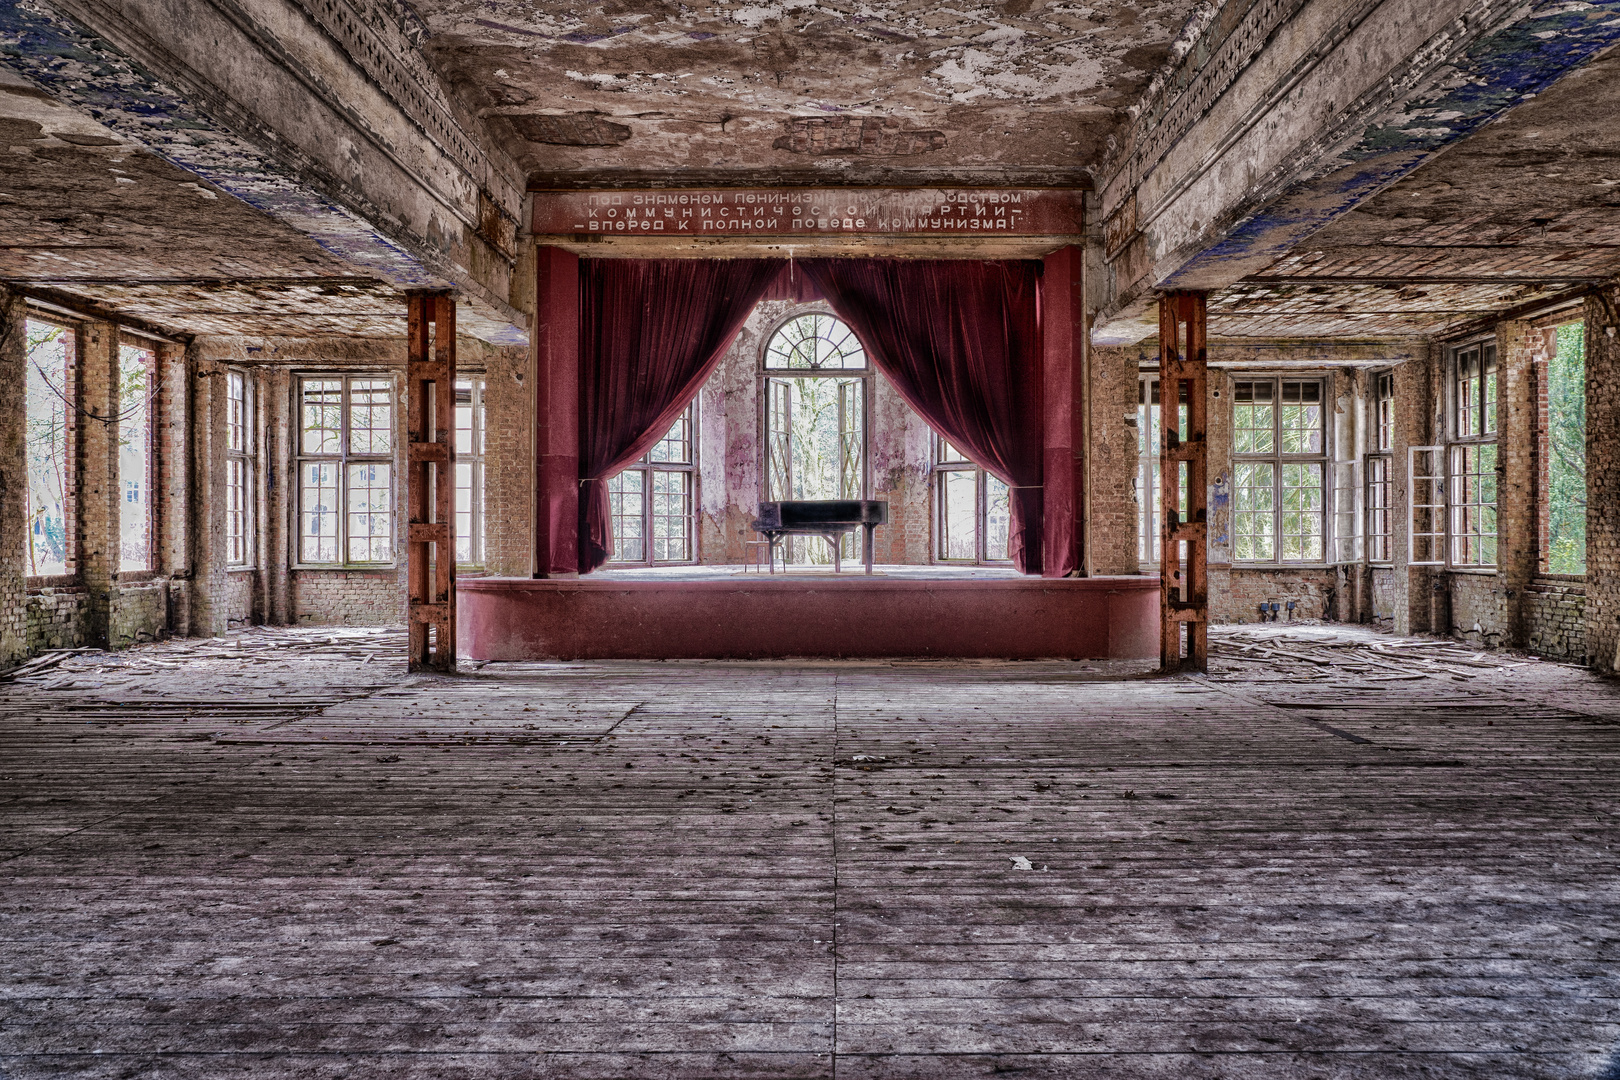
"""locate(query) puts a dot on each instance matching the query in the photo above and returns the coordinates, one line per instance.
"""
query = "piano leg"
(837, 542)
(868, 548)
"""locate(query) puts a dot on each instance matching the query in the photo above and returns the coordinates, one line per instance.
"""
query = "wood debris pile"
(1321, 653)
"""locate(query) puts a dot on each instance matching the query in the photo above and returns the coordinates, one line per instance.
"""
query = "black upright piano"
(831, 518)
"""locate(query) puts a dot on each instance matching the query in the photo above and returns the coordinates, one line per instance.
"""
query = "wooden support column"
(431, 480)
(1184, 579)
(556, 413)
(1063, 337)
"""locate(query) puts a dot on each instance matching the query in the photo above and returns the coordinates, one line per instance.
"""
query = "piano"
(831, 518)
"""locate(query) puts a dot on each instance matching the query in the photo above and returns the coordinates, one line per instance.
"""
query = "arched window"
(816, 401)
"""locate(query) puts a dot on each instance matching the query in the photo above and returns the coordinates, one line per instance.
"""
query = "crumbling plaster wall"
(1111, 518)
(730, 455)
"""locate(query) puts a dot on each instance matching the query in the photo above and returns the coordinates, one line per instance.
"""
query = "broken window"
(1279, 471)
(345, 470)
(48, 446)
(1471, 479)
(1380, 469)
(136, 370)
(240, 444)
(973, 517)
(816, 376)
(1564, 451)
(470, 472)
(653, 501)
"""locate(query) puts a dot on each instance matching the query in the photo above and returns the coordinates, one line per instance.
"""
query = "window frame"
(941, 470)
(1149, 439)
(148, 491)
(344, 459)
(474, 458)
(73, 402)
(1279, 460)
(1460, 445)
(764, 373)
(1378, 490)
(648, 468)
(241, 452)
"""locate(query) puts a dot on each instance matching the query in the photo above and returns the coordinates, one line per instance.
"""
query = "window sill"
(350, 568)
(243, 569)
(1476, 571)
(50, 581)
(1560, 579)
(136, 577)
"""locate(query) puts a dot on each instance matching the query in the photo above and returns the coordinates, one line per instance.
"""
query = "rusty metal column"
(430, 374)
(1184, 455)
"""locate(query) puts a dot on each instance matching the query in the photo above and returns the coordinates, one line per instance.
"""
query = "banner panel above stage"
(810, 212)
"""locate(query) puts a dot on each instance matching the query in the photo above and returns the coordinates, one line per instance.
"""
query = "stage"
(720, 612)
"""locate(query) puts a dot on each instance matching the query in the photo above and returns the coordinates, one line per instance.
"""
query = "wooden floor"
(1340, 855)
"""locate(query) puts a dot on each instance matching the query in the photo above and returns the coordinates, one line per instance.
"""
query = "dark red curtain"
(651, 331)
(960, 341)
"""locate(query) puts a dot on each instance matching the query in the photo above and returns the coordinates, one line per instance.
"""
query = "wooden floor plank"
(277, 855)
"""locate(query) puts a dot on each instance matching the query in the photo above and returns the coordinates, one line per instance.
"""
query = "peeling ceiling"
(803, 89)
(1518, 215)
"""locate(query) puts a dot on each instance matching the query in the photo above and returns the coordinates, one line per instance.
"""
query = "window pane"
(371, 416)
(1378, 509)
(1386, 411)
(370, 512)
(236, 511)
(815, 342)
(135, 458)
(1566, 449)
(323, 416)
(676, 445)
(235, 412)
(1467, 390)
(1473, 505)
(625, 500)
(318, 514)
(1488, 412)
(959, 514)
(1254, 420)
(949, 453)
(464, 418)
(997, 520)
(672, 516)
(1254, 512)
(50, 468)
(1302, 516)
(464, 515)
(1301, 417)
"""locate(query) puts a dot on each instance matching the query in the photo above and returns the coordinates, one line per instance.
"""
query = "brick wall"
(235, 605)
(1315, 593)
(508, 459)
(1555, 618)
(55, 618)
(348, 597)
(1478, 608)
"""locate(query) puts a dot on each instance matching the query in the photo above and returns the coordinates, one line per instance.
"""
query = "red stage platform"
(755, 617)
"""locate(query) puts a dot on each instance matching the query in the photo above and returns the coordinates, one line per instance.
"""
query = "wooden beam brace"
(430, 396)
(1184, 457)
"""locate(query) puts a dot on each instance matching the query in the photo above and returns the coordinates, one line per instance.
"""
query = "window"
(1380, 469)
(815, 397)
(1563, 446)
(653, 502)
(49, 448)
(470, 472)
(1279, 465)
(240, 444)
(136, 367)
(1148, 440)
(973, 518)
(345, 470)
(1472, 458)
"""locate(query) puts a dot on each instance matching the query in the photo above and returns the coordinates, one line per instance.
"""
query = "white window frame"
(1378, 491)
(1279, 460)
(649, 468)
(343, 458)
(1148, 439)
(1464, 509)
(944, 467)
(1426, 506)
(241, 469)
(470, 463)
